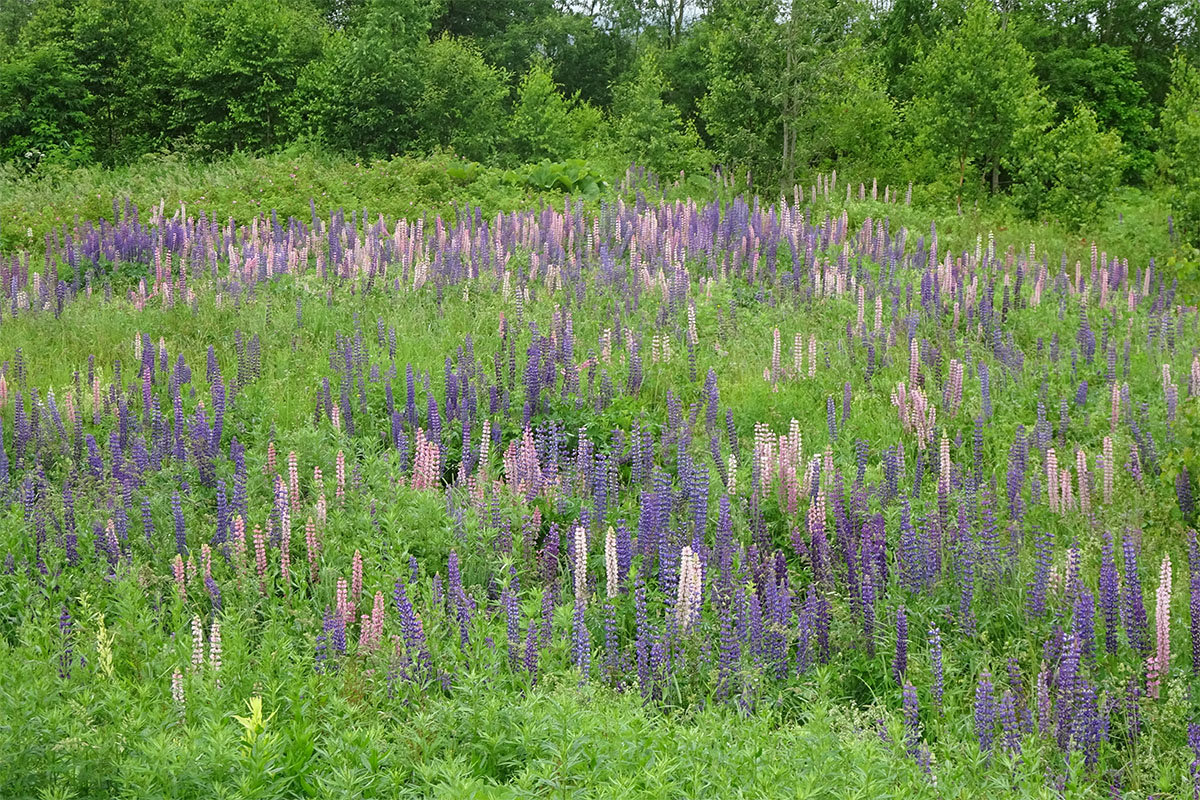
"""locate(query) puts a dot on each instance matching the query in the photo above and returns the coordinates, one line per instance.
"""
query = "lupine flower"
(1159, 665)
(690, 590)
(214, 646)
(912, 724)
(985, 712)
(935, 663)
(1008, 723)
(177, 694)
(1133, 608)
(197, 644)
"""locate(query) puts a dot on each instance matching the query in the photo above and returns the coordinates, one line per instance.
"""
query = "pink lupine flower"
(260, 557)
(197, 643)
(294, 481)
(341, 476)
(177, 692)
(180, 577)
(313, 546)
(1159, 665)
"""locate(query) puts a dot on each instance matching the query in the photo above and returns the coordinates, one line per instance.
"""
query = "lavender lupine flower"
(985, 712)
(900, 663)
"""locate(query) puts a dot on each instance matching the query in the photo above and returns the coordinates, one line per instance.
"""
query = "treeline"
(1052, 103)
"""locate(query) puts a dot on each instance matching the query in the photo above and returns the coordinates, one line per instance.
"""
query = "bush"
(1068, 172)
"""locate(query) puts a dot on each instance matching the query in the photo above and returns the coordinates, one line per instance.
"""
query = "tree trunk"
(962, 174)
(995, 176)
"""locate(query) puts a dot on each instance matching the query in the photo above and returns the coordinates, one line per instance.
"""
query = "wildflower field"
(643, 497)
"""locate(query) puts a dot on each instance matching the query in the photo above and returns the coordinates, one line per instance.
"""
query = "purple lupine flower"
(411, 628)
(531, 651)
(868, 612)
(643, 636)
(1087, 732)
(1183, 493)
(805, 617)
(1110, 595)
(611, 644)
(214, 593)
(1068, 686)
(1009, 727)
(1083, 623)
(912, 723)
(1133, 605)
(900, 663)
(985, 712)
(985, 389)
(581, 641)
(935, 664)
(1194, 599)
(1193, 737)
(1036, 599)
(512, 616)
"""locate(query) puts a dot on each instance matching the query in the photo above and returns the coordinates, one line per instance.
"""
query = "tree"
(1180, 153)
(740, 112)
(462, 102)
(359, 97)
(974, 84)
(43, 110)
(651, 131)
(541, 126)
(237, 65)
(119, 62)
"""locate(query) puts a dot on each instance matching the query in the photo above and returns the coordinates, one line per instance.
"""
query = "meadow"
(398, 482)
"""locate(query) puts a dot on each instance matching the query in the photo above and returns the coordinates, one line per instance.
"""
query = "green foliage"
(975, 85)
(850, 120)
(1068, 172)
(462, 101)
(1180, 157)
(43, 110)
(651, 131)
(573, 176)
(236, 68)
(1104, 78)
(541, 126)
(739, 109)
